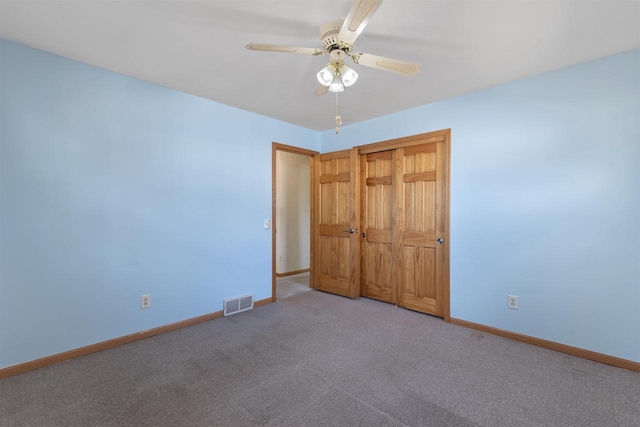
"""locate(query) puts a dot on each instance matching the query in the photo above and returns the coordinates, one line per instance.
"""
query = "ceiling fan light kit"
(336, 75)
(337, 39)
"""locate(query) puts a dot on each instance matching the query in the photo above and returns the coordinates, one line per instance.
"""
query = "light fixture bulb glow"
(336, 84)
(325, 76)
(349, 76)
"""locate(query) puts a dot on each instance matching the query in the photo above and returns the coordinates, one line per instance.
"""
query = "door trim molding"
(551, 345)
(276, 146)
(407, 141)
(443, 135)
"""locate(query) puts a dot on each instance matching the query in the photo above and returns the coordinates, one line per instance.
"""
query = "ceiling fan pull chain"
(338, 118)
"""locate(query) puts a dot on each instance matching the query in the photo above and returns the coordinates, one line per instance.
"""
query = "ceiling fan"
(338, 41)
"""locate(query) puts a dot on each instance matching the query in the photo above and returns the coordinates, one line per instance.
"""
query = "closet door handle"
(440, 240)
(351, 230)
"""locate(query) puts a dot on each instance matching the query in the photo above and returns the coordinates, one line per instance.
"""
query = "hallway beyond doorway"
(292, 285)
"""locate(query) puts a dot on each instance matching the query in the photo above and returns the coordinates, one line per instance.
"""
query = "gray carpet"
(315, 359)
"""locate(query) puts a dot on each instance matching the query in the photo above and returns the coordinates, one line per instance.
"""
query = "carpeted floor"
(316, 359)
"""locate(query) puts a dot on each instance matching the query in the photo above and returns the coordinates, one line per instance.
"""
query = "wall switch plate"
(267, 224)
(145, 301)
(512, 302)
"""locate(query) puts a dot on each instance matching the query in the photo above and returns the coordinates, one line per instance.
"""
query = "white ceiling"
(197, 46)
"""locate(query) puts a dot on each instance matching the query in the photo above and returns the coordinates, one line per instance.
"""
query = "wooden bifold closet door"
(405, 226)
(377, 225)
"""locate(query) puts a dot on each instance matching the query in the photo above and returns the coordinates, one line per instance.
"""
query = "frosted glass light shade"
(349, 76)
(325, 76)
(336, 84)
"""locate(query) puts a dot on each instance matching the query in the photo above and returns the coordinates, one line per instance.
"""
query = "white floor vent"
(238, 304)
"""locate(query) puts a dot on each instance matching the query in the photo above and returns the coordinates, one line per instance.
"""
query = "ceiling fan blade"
(358, 17)
(387, 64)
(283, 49)
(320, 90)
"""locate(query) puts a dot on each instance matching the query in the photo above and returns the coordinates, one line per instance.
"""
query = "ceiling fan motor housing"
(329, 35)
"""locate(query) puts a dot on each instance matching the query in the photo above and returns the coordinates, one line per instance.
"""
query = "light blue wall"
(110, 188)
(545, 201)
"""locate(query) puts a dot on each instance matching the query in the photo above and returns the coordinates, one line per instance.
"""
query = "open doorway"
(292, 220)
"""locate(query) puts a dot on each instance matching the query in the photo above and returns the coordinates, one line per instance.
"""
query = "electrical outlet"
(267, 224)
(145, 301)
(512, 302)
